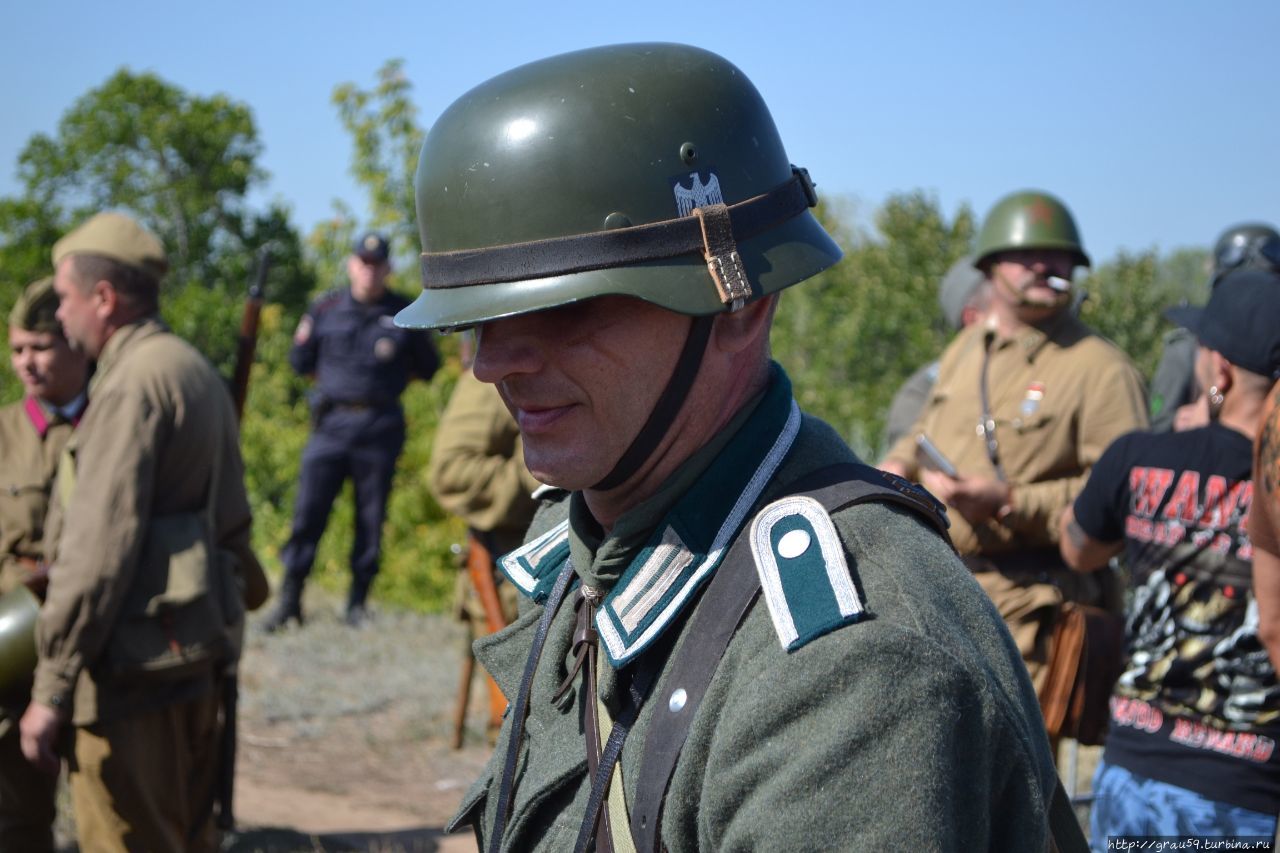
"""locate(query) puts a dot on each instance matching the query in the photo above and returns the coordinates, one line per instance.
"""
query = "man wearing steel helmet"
(33, 433)
(1176, 401)
(1025, 403)
(616, 224)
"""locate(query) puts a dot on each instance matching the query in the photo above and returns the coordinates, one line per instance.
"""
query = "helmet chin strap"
(665, 410)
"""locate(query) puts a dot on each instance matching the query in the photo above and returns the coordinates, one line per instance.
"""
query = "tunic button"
(678, 698)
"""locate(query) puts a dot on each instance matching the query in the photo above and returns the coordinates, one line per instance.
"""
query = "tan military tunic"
(145, 752)
(28, 460)
(477, 469)
(1059, 396)
(477, 472)
(144, 448)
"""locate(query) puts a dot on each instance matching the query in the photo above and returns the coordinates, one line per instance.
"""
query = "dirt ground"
(345, 736)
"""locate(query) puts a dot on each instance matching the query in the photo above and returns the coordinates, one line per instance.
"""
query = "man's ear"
(739, 329)
(1224, 374)
(108, 298)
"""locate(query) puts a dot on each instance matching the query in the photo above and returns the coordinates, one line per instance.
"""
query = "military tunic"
(1059, 395)
(912, 726)
(477, 469)
(144, 755)
(31, 441)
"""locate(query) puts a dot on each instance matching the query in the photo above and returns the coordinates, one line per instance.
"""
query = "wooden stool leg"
(464, 697)
(497, 707)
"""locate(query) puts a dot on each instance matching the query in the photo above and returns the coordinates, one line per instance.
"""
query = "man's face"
(48, 367)
(368, 278)
(580, 380)
(1021, 280)
(82, 315)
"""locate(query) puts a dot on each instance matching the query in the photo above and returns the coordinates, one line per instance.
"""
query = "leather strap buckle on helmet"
(806, 182)
(721, 253)
(620, 247)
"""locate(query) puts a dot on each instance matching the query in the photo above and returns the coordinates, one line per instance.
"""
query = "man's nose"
(506, 347)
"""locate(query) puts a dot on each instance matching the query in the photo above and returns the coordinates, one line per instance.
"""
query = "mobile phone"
(929, 455)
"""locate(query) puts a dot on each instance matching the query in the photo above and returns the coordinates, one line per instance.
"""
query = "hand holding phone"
(928, 455)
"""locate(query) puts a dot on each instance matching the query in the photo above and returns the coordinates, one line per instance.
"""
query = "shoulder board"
(325, 301)
(806, 581)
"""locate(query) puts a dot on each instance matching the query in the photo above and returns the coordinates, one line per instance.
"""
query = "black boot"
(357, 612)
(288, 607)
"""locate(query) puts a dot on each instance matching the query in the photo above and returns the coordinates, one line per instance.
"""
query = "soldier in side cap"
(734, 635)
(33, 433)
(361, 363)
(1025, 403)
(152, 557)
(963, 295)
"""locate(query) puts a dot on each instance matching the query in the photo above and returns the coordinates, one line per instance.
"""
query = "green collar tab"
(687, 546)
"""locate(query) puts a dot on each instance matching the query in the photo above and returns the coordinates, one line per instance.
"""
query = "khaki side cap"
(119, 237)
(36, 309)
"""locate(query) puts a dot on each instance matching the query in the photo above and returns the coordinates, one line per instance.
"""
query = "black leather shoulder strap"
(728, 597)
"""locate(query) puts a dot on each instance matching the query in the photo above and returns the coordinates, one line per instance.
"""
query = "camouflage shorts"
(1127, 804)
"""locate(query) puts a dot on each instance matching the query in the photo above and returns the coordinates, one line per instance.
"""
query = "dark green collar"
(665, 557)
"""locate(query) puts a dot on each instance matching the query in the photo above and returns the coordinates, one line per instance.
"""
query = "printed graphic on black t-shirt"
(1198, 703)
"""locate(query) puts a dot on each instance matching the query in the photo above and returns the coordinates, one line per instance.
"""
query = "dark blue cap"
(1241, 321)
(371, 246)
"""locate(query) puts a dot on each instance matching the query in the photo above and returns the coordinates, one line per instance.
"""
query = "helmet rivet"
(616, 220)
(688, 153)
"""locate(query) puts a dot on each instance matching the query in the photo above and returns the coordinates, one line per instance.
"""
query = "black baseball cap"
(1241, 321)
(371, 246)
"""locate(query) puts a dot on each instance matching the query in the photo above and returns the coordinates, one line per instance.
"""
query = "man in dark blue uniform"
(361, 362)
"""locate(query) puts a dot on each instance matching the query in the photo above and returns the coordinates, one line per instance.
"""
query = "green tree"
(1129, 294)
(184, 165)
(386, 138)
(851, 335)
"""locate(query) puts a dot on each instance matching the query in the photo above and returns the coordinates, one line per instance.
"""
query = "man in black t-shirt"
(1195, 718)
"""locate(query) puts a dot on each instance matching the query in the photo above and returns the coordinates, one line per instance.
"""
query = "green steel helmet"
(18, 612)
(648, 170)
(1243, 246)
(1029, 219)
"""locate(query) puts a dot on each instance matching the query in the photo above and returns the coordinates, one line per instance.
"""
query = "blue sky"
(1155, 121)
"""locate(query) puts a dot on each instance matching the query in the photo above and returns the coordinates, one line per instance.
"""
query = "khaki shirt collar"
(120, 341)
(1030, 340)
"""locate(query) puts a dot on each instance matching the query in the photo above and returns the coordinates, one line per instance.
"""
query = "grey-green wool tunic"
(909, 726)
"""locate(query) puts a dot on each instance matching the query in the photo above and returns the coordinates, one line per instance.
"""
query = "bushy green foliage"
(851, 335)
(1128, 295)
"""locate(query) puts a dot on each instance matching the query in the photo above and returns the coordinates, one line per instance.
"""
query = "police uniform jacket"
(908, 725)
(31, 441)
(357, 353)
(1059, 395)
(145, 448)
